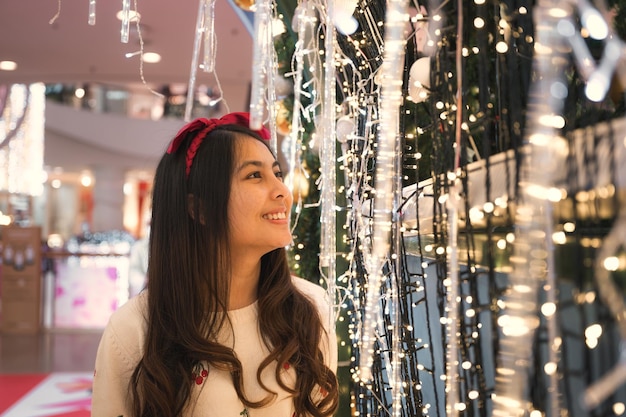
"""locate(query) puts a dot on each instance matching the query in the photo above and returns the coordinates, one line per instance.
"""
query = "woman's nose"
(281, 190)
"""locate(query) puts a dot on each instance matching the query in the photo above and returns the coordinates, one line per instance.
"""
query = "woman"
(223, 328)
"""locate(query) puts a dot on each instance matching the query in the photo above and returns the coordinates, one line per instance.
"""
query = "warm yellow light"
(151, 57)
(133, 16)
(548, 309)
(552, 120)
(85, 180)
(593, 332)
(558, 12)
(611, 263)
(5, 220)
(298, 182)
(559, 238)
(8, 65)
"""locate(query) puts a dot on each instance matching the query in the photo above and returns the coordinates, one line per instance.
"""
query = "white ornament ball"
(419, 80)
(345, 127)
(345, 23)
(345, 6)
(282, 86)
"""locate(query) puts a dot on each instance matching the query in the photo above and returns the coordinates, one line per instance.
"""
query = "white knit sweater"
(121, 348)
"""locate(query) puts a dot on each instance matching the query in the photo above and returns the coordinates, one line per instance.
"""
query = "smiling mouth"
(275, 216)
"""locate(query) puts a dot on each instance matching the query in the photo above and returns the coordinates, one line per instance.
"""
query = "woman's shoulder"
(319, 297)
(313, 291)
(307, 286)
(130, 318)
(124, 336)
(133, 310)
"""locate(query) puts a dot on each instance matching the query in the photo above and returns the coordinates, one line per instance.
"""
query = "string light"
(22, 139)
(357, 62)
(387, 323)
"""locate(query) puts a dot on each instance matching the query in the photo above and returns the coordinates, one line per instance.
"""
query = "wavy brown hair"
(187, 290)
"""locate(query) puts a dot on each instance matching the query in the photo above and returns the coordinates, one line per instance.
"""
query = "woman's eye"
(255, 174)
(279, 174)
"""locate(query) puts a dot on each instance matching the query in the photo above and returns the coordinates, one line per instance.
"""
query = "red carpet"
(14, 387)
(53, 395)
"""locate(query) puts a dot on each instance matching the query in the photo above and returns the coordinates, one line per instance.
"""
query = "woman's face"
(260, 202)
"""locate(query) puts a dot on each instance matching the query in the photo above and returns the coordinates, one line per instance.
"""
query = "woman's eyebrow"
(255, 163)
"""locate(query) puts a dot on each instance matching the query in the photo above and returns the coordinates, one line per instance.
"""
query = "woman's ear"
(195, 205)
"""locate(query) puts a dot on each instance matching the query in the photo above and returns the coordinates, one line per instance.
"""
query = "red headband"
(203, 127)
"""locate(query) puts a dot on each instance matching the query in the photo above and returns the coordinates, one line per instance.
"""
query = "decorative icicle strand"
(388, 135)
(262, 22)
(125, 20)
(453, 203)
(92, 12)
(194, 60)
(328, 164)
(208, 60)
(532, 261)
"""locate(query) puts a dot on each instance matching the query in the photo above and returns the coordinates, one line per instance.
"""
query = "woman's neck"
(244, 284)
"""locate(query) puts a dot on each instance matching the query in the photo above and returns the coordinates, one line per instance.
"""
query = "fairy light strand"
(391, 98)
(532, 259)
(452, 352)
(57, 14)
(479, 292)
(141, 53)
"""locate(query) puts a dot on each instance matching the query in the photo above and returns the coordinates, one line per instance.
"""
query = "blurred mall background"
(83, 122)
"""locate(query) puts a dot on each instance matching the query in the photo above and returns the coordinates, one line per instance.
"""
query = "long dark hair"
(188, 287)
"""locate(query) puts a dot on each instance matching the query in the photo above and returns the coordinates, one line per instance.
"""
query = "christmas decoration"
(246, 5)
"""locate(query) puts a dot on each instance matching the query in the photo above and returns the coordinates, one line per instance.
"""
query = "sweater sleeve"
(118, 354)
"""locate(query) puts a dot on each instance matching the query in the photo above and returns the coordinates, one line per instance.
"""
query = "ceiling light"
(8, 65)
(151, 57)
(133, 16)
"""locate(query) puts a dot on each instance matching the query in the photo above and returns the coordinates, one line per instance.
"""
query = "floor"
(49, 351)
(47, 374)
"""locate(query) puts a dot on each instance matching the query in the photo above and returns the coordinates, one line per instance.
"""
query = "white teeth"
(275, 216)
